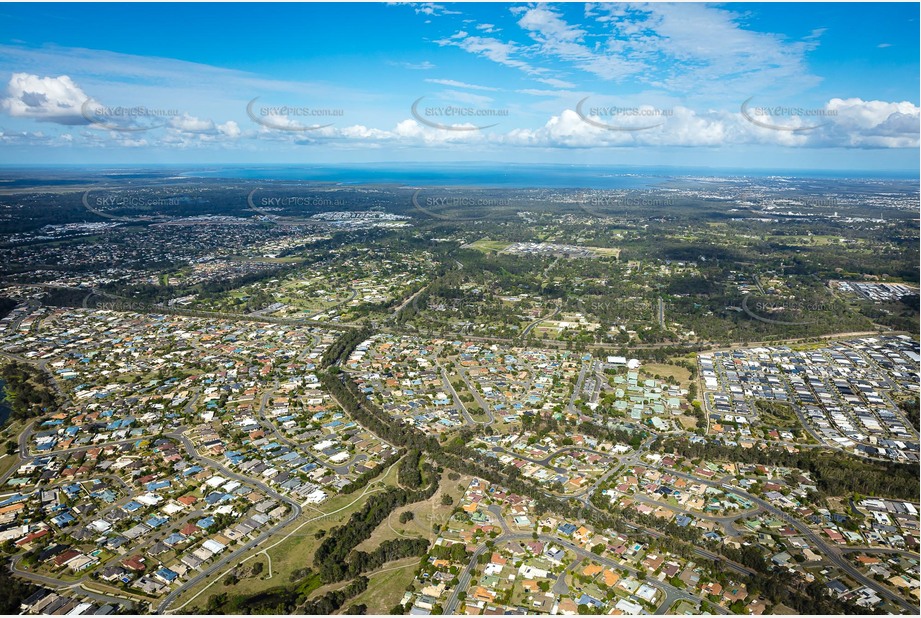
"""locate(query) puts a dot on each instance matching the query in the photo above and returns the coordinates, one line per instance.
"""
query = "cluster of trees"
(616, 435)
(409, 473)
(412, 309)
(6, 305)
(912, 410)
(64, 297)
(455, 552)
(546, 424)
(221, 521)
(281, 600)
(777, 412)
(29, 391)
(835, 473)
(15, 591)
(332, 601)
(340, 349)
(901, 314)
(387, 551)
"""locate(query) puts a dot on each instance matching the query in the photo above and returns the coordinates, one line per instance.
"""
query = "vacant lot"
(386, 586)
(425, 515)
(776, 414)
(665, 371)
(486, 245)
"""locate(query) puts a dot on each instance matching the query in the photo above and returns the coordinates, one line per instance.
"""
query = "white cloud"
(543, 92)
(490, 48)
(230, 129)
(815, 34)
(558, 39)
(426, 8)
(46, 99)
(33, 138)
(458, 96)
(857, 124)
(556, 83)
(682, 46)
(546, 24)
(430, 8)
(425, 65)
(876, 124)
(167, 83)
(673, 47)
(191, 124)
(456, 84)
(56, 96)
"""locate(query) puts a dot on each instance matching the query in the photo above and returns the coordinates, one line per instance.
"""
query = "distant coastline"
(541, 176)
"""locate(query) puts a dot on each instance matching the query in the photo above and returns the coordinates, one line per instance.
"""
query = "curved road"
(832, 554)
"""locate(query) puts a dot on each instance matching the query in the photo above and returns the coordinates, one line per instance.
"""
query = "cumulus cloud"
(849, 123)
(46, 99)
(553, 122)
(230, 129)
(876, 124)
(191, 124)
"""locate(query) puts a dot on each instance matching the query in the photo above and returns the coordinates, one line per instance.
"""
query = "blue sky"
(760, 85)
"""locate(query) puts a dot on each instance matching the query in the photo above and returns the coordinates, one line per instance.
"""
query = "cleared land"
(486, 245)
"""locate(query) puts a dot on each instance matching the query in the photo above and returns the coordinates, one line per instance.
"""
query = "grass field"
(807, 240)
(775, 414)
(679, 373)
(10, 432)
(682, 606)
(386, 586)
(478, 415)
(606, 251)
(7, 462)
(486, 245)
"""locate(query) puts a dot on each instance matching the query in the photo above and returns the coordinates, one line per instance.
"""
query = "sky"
(751, 85)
